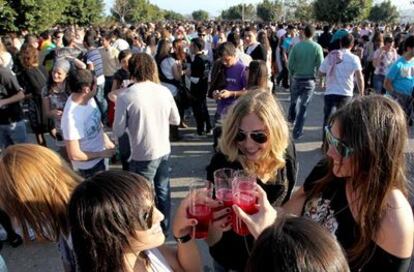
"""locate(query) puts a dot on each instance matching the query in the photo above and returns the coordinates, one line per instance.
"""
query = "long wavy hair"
(264, 105)
(104, 213)
(142, 67)
(375, 127)
(36, 184)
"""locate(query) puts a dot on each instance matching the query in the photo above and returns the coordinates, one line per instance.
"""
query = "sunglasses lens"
(259, 137)
(240, 137)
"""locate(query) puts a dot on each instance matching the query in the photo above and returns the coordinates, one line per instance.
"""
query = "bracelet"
(183, 239)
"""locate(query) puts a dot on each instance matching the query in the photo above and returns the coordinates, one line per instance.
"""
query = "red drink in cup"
(200, 192)
(202, 213)
(244, 197)
(223, 184)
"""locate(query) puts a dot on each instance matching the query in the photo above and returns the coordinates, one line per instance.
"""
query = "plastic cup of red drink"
(200, 193)
(223, 186)
(243, 196)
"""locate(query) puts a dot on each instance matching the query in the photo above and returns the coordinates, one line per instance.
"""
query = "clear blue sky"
(214, 7)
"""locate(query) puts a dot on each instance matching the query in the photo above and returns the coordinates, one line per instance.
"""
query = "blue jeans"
(302, 90)
(101, 101)
(156, 171)
(14, 133)
(405, 101)
(333, 102)
(99, 167)
(378, 83)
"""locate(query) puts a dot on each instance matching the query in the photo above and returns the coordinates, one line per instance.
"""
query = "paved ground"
(188, 161)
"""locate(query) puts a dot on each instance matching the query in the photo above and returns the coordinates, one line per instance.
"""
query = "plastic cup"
(243, 196)
(223, 179)
(200, 193)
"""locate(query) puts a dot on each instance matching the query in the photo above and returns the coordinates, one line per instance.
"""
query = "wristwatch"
(183, 239)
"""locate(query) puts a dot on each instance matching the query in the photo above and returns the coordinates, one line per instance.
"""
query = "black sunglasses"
(258, 137)
(146, 218)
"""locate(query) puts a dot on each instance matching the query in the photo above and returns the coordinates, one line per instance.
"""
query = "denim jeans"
(156, 171)
(101, 101)
(14, 133)
(378, 83)
(302, 90)
(333, 102)
(99, 167)
(406, 103)
(3, 267)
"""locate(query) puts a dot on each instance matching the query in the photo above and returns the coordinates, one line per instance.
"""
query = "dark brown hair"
(296, 244)
(257, 75)
(142, 67)
(29, 57)
(104, 214)
(375, 127)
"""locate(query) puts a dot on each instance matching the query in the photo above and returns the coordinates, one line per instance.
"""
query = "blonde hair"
(36, 185)
(264, 105)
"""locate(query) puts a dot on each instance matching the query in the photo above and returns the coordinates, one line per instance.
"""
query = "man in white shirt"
(146, 110)
(341, 68)
(86, 143)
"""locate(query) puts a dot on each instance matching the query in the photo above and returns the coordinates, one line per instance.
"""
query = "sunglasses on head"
(258, 137)
(340, 147)
(146, 218)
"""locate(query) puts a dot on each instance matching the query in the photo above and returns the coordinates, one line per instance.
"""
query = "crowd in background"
(142, 83)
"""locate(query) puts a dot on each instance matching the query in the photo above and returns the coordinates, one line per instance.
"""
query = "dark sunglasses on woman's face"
(258, 137)
(146, 218)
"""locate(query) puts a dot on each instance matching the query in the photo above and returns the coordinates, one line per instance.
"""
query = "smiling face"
(342, 167)
(59, 75)
(250, 148)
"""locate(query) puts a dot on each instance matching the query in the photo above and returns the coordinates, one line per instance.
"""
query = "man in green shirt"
(304, 61)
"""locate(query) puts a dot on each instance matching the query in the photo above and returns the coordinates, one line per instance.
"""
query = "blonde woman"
(36, 186)
(256, 139)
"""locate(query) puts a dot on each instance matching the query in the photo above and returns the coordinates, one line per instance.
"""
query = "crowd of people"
(142, 83)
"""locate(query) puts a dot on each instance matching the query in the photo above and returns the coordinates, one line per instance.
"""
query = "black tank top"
(331, 210)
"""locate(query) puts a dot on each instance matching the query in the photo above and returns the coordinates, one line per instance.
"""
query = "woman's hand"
(56, 113)
(259, 221)
(220, 221)
(182, 224)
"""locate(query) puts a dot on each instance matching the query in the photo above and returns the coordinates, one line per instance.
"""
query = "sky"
(214, 7)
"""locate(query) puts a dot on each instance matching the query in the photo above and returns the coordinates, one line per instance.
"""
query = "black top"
(259, 53)
(199, 69)
(232, 251)
(332, 211)
(9, 87)
(121, 75)
(34, 80)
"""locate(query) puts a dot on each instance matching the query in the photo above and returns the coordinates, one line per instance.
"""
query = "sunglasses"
(340, 147)
(146, 218)
(258, 137)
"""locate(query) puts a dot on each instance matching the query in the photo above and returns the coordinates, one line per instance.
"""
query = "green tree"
(83, 12)
(236, 12)
(384, 12)
(134, 11)
(269, 10)
(121, 9)
(200, 15)
(303, 10)
(7, 17)
(173, 16)
(335, 11)
(37, 15)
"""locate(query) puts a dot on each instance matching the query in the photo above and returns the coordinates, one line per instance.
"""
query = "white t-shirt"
(166, 67)
(342, 80)
(83, 123)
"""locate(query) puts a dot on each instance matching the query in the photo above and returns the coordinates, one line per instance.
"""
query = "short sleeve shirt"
(401, 74)
(9, 86)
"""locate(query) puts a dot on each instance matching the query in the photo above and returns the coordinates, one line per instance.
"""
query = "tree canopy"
(200, 15)
(40, 15)
(236, 12)
(269, 10)
(343, 11)
(384, 12)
